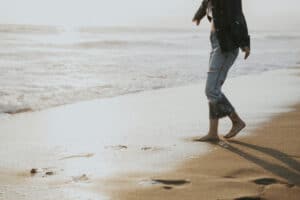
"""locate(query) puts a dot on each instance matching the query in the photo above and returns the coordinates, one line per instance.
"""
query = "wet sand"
(264, 165)
(128, 147)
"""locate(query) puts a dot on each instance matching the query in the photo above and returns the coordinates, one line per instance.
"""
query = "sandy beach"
(141, 146)
(265, 165)
(262, 165)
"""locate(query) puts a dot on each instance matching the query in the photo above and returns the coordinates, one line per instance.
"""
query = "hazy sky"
(260, 13)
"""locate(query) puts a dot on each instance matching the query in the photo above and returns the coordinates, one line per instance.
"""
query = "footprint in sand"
(124, 147)
(167, 184)
(81, 178)
(117, 147)
(43, 172)
(148, 148)
(22, 110)
(270, 181)
(266, 181)
(168, 187)
(170, 182)
(84, 155)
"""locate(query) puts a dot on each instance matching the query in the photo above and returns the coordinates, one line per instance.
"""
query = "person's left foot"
(209, 138)
(236, 128)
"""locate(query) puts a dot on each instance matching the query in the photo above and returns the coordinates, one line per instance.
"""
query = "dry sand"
(263, 165)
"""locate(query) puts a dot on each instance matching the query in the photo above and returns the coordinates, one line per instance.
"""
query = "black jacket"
(229, 21)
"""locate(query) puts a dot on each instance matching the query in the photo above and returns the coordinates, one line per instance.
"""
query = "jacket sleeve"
(201, 11)
(245, 40)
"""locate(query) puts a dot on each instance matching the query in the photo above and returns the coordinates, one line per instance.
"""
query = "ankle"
(235, 118)
(212, 134)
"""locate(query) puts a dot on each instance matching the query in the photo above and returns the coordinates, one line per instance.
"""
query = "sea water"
(46, 66)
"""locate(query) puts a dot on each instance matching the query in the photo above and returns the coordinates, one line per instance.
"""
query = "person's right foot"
(209, 138)
(236, 128)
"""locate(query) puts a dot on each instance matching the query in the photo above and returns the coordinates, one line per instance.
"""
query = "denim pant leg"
(219, 65)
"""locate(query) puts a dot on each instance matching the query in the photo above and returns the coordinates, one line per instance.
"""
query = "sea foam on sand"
(72, 146)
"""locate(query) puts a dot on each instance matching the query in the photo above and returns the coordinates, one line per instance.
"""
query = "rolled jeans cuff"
(220, 109)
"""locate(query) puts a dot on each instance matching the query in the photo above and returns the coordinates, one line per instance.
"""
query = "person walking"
(229, 33)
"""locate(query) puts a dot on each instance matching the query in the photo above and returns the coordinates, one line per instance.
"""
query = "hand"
(246, 50)
(197, 21)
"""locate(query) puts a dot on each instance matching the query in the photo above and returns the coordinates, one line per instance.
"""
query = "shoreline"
(263, 165)
(17, 111)
(77, 150)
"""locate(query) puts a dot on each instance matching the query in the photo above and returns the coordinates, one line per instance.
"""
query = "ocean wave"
(123, 29)
(29, 29)
(120, 43)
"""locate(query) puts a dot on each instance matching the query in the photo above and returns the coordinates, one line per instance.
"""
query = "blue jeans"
(219, 65)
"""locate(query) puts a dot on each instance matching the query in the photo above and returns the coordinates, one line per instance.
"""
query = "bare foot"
(209, 138)
(236, 128)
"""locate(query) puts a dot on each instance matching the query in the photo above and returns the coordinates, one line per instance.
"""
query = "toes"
(208, 139)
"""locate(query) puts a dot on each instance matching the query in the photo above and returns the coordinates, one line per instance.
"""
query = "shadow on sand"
(290, 173)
